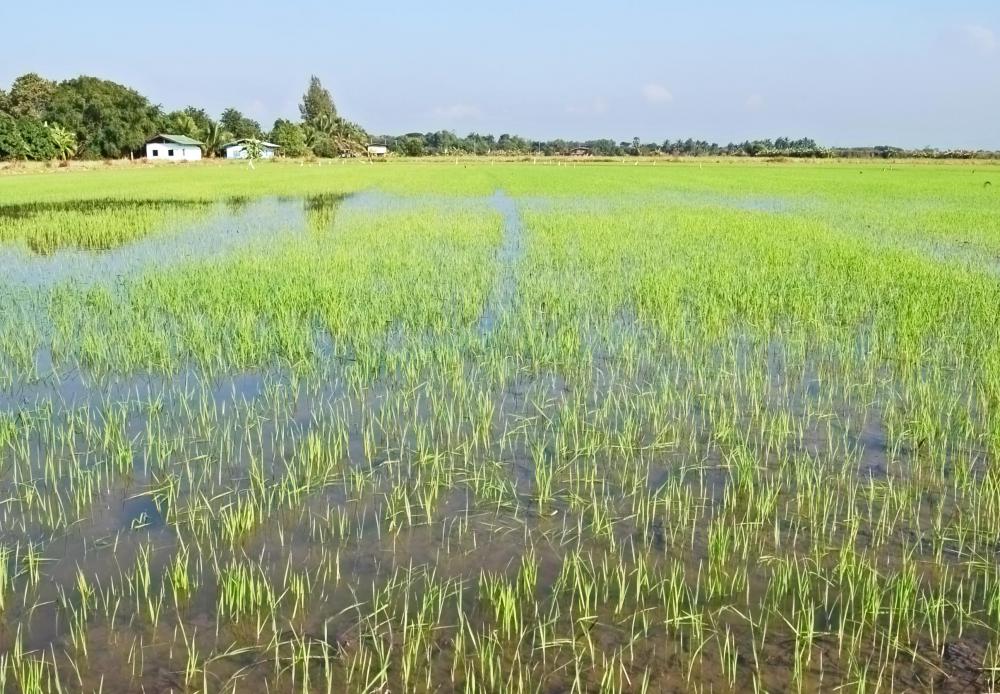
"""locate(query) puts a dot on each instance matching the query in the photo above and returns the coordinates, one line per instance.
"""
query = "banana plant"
(65, 140)
(253, 151)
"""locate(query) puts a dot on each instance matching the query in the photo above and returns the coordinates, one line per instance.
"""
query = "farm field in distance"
(501, 427)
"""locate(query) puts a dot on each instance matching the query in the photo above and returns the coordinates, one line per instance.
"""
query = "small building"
(580, 152)
(238, 149)
(173, 148)
(378, 151)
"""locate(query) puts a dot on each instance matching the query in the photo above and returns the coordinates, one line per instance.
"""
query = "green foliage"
(410, 146)
(335, 137)
(26, 138)
(11, 146)
(200, 117)
(290, 137)
(99, 225)
(109, 120)
(253, 150)
(30, 95)
(63, 139)
(213, 136)
(181, 123)
(445, 142)
(240, 126)
(324, 146)
(38, 141)
(327, 134)
(317, 103)
(730, 427)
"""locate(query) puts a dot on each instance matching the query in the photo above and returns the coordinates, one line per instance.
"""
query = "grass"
(93, 225)
(728, 428)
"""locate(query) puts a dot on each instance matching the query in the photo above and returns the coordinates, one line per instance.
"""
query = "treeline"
(887, 152)
(445, 142)
(91, 118)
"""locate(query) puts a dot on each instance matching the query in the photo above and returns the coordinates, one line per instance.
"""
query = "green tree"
(317, 103)
(25, 138)
(240, 126)
(200, 117)
(64, 140)
(181, 123)
(29, 96)
(11, 144)
(411, 146)
(290, 137)
(109, 120)
(333, 137)
(36, 141)
(213, 136)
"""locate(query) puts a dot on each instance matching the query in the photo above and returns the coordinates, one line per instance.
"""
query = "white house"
(378, 151)
(173, 148)
(238, 149)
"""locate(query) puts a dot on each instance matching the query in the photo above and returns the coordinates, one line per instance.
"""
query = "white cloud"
(597, 107)
(458, 112)
(754, 102)
(656, 94)
(980, 38)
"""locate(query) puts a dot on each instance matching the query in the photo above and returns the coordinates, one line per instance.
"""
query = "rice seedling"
(611, 429)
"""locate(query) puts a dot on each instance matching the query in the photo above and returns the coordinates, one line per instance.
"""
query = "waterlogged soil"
(507, 257)
(319, 474)
(28, 210)
(225, 228)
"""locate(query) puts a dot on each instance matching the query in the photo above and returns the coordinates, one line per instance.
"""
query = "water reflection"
(321, 211)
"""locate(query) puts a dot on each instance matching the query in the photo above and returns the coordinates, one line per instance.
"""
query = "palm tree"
(329, 135)
(64, 140)
(213, 136)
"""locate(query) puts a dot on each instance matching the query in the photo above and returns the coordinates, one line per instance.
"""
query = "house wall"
(240, 152)
(159, 151)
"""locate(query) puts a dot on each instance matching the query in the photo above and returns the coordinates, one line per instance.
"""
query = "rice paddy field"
(501, 427)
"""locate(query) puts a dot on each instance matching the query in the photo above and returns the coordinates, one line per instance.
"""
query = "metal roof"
(247, 139)
(176, 139)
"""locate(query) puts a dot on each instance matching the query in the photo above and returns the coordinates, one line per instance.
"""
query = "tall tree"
(317, 103)
(240, 126)
(11, 144)
(200, 116)
(181, 123)
(40, 145)
(109, 120)
(289, 137)
(213, 136)
(29, 96)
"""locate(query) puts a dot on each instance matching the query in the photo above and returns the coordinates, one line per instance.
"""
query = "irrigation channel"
(501, 299)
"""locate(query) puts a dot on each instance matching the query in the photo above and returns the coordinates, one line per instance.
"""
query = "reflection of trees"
(321, 211)
(237, 204)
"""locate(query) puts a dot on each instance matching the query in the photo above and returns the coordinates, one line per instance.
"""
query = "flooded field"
(500, 428)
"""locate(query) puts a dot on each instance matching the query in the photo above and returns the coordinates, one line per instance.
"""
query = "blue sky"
(907, 72)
